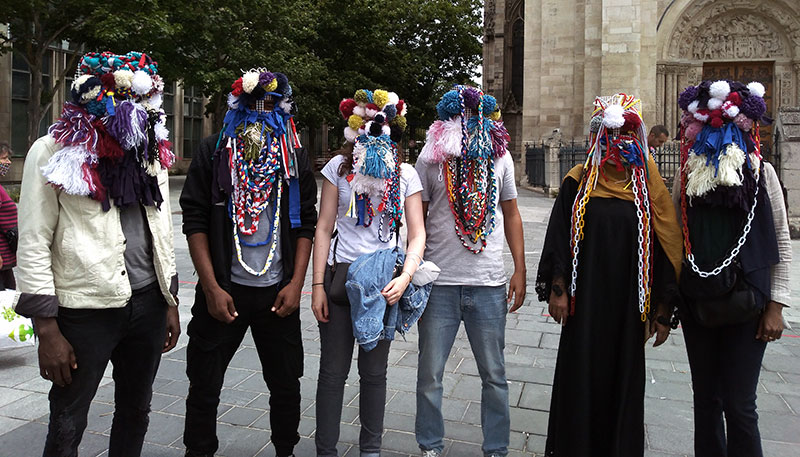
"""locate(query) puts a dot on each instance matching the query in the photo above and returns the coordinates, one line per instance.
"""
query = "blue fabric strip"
(294, 202)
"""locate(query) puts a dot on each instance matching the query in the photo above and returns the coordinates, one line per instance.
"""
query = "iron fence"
(534, 164)
(668, 159)
(571, 154)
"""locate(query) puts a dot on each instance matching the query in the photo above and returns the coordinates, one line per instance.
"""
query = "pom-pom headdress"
(375, 124)
(618, 140)
(112, 133)
(721, 154)
(257, 145)
(464, 142)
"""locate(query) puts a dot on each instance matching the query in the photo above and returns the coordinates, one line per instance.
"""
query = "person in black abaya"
(597, 405)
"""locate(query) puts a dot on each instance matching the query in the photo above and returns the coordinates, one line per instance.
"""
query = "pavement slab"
(532, 340)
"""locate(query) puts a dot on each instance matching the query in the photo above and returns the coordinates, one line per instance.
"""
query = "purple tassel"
(128, 126)
(500, 139)
(471, 98)
(74, 128)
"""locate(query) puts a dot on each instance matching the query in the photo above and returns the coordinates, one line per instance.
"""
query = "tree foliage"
(328, 48)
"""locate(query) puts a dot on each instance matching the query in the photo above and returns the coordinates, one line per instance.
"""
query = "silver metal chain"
(640, 249)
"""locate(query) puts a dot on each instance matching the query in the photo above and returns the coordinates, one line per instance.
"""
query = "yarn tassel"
(129, 125)
(65, 170)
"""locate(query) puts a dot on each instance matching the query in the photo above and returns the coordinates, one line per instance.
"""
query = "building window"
(168, 105)
(517, 60)
(20, 94)
(192, 120)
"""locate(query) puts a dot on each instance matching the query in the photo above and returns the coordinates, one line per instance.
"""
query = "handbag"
(335, 278)
(719, 300)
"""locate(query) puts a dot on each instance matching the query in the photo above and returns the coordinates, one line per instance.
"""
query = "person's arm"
(39, 210)
(329, 202)
(8, 211)
(288, 299)
(512, 226)
(771, 325)
(173, 329)
(196, 205)
(416, 247)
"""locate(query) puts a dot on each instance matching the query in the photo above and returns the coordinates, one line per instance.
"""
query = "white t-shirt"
(459, 266)
(356, 240)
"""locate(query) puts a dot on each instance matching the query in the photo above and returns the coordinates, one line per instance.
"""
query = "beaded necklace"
(390, 208)
(469, 179)
(620, 149)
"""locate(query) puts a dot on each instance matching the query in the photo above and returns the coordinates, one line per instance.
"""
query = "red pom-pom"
(716, 121)
(107, 146)
(735, 98)
(108, 81)
(237, 87)
(632, 121)
(373, 106)
(346, 107)
(400, 106)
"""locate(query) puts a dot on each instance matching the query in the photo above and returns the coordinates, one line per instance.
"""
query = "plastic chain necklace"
(273, 234)
(391, 202)
(257, 177)
(470, 184)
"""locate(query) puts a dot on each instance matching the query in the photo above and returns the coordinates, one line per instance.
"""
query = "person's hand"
(394, 290)
(516, 290)
(319, 303)
(661, 332)
(173, 329)
(288, 299)
(56, 357)
(220, 305)
(559, 307)
(770, 327)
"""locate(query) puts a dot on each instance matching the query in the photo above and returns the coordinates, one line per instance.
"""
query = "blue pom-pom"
(390, 111)
(449, 105)
(489, 104)
(369, 95)
(283, 83)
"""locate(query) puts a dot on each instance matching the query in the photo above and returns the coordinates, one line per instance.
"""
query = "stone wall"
(788, 129)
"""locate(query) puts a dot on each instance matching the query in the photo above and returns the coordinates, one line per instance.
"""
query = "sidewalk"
(531, 343)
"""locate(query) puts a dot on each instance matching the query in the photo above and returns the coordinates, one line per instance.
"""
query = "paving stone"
(670, 440)
(241, 416)
(162, 401)
(99, 418)
(154, 450)
(240, 441)
(8, 424)
(536, 443)
(535, 396)
(236, 397)
(10, 395)
(400, 442)
(664, 390)
(164, 428)
(779, 427)
(528, 420)
(29, 407)
(13, 374)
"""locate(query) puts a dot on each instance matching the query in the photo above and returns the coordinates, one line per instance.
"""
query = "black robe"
(597, 406)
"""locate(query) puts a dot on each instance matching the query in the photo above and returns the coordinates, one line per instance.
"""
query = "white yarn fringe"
(64, 169)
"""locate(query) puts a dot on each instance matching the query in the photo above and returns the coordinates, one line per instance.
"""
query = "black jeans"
(212, 344)
(131, 338)
(725, 363)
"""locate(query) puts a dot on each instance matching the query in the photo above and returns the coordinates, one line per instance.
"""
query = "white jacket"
(73, 251)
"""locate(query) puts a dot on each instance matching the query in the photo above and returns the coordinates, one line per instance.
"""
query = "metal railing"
(534, 164)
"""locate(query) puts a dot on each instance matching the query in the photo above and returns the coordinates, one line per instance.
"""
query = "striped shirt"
(8, 221)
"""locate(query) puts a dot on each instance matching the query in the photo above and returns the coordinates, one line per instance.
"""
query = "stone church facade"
(546, 60)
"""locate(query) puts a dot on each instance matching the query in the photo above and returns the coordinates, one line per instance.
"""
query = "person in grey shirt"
(465, 240)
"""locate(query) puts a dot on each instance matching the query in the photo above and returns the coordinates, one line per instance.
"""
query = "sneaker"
(431, 453)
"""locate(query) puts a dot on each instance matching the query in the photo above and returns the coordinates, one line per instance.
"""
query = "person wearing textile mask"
(97, 261)
(8, 226)
(366, 191)
(608, 272)
(735, 279)
(470, 202)
(249, 209)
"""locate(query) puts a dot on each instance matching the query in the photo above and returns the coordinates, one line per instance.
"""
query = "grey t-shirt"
(138, 247)
(460, 266)
(356, 240)
(256, 256)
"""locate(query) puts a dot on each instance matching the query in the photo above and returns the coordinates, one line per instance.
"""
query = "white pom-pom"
(730, 110)
(361, 131)
(371, 113)
(350, 135)
(360, 111)
(160, 131)
(154, 102)
(79, 81)
(233, 101)
(719, 90)
(701, 117)
(613, 117)
(285, 105)
(123, 79)
(141, 83)
(393, 99)
(404, 111)
(249, 81)
(714, 103)
(756, 88)
(693, 106)
(386, 130)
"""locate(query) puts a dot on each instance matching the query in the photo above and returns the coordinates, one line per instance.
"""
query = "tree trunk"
(220, 108)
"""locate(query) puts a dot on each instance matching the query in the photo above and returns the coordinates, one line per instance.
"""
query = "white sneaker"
(431, 453)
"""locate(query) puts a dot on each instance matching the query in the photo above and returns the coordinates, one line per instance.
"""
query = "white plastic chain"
(275, 235)
(575, 240)
(735, 251)
(640, 249)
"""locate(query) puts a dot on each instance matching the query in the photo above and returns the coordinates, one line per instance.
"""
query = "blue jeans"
(483, 311)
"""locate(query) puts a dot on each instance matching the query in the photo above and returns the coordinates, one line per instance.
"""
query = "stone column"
(552, 165)
(661, 101)
(796, 67)
(669, 97)
(788, 127)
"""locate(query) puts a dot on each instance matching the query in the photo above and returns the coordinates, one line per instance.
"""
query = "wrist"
(45, 326)
(775, 307)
